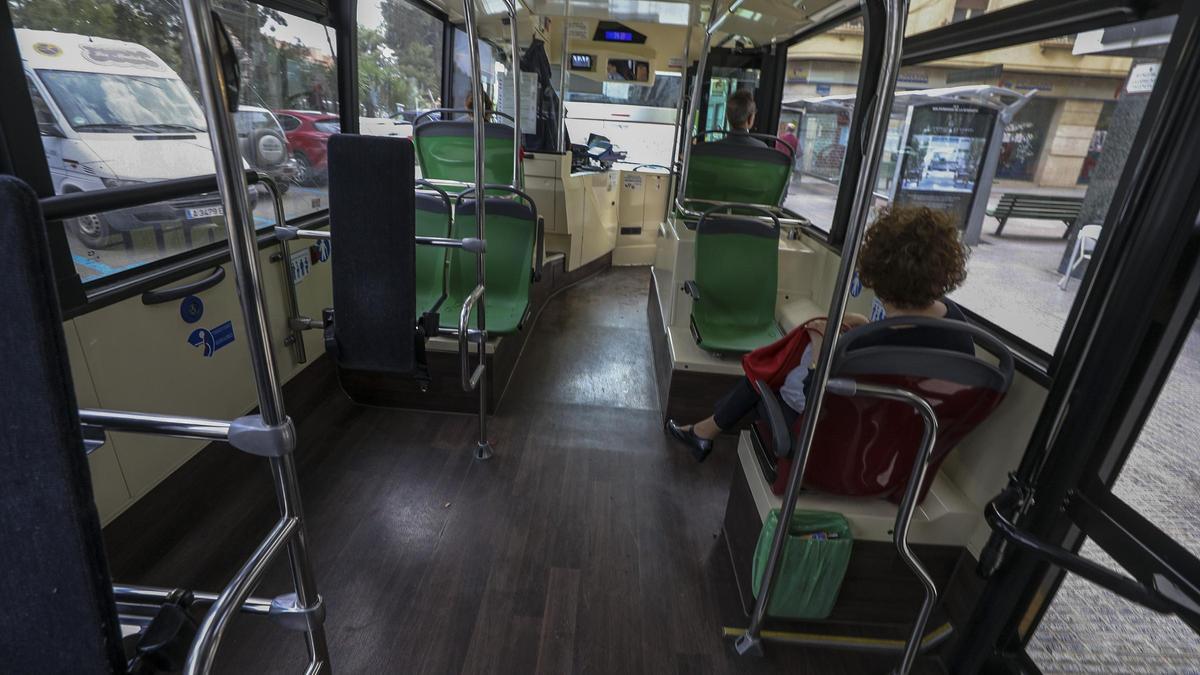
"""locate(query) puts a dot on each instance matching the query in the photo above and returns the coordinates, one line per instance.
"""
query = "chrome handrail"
(517, 178)
(177, 426)
(201, 25)
(563, 60)
(285, 262)
(908, 503)
(483, 449)
(469, 382)
(877, 120)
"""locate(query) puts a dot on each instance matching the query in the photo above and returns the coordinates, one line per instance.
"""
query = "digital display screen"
(582, 62)
(618, 36)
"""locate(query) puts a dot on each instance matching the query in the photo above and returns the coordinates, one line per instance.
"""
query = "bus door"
(1123, 383)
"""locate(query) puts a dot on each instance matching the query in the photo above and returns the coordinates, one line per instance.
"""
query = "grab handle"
(157, 297)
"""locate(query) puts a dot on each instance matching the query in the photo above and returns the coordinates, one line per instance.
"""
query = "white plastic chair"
(1085, 243)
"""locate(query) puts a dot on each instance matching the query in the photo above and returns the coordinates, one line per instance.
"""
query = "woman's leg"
(732, 407)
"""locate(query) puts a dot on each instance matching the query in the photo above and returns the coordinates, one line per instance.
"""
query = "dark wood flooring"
(582, 547)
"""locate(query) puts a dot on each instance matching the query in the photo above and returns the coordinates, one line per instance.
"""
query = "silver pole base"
(484, 451)
(748, 645)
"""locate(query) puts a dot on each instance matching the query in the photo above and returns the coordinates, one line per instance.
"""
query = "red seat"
(865, 447)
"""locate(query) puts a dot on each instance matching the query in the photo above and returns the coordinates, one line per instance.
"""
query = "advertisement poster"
(943, 157)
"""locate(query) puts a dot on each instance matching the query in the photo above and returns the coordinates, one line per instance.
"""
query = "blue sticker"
(191, 309)
(324, 248)
(878, 313)
(855, 286)
(212, 340)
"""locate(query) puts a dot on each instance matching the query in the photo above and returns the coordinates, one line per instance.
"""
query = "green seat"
(512, 235)
(737, 274)
(446, 151)
(727, 172)
(433, 220)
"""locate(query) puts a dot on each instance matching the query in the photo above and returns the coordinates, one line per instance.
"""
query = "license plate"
(301, 265)
(204, 212)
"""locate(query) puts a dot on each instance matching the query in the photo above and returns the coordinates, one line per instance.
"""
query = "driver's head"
(740, 110)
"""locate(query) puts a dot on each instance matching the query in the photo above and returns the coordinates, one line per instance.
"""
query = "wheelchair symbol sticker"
(191, 309)
(210, 341)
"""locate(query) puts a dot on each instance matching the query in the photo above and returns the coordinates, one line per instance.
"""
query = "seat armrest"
(781, 435)
(692, 289)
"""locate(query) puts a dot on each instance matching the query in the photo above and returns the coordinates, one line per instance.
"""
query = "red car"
(307, 133)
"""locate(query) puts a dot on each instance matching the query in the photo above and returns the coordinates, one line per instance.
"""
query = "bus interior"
(448, 271)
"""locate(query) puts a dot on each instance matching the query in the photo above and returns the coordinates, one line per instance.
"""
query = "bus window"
(293, 76)
(1056, 165)
(639, 119)
(116, 106)
(818, 98)
(399, 65)
(491, 71)
(924, 16)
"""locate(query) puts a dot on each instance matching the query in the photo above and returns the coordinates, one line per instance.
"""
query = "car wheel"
(303, 169)
(92, 231)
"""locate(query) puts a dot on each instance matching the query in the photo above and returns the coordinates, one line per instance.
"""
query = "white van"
(113, 113)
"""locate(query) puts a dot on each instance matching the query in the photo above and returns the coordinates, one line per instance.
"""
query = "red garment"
(773, 362)
(790, 140)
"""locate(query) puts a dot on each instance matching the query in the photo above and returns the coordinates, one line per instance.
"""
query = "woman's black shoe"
(700, 447)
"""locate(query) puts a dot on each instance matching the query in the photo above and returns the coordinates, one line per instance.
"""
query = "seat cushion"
(723, 337)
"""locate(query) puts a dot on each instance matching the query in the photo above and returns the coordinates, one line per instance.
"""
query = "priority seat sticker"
(212, 340)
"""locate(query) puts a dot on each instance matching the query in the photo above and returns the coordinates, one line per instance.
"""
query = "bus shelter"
(943, 146)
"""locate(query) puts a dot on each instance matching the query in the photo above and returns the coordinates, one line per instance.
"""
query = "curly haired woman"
(911, 257)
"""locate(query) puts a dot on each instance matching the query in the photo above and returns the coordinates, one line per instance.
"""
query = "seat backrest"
(737, 269)
(865, 447)
(446, 150)
(58, 612)
(372, 218)
(432, 220)
(726, 172)
(511, 235)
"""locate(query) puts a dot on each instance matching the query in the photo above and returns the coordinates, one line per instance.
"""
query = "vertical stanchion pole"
(243, 251)
(518, 181)
(715, 19)
(483, 448)
(876, 119)
(564, 65)
(673, 161)
(693, 105)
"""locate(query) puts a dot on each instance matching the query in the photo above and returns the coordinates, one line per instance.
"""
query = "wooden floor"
(582, 547)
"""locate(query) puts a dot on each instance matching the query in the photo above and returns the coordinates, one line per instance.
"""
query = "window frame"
(26, 160)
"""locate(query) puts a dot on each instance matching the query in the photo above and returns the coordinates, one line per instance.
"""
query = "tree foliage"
(400, 62)
(275, 73)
